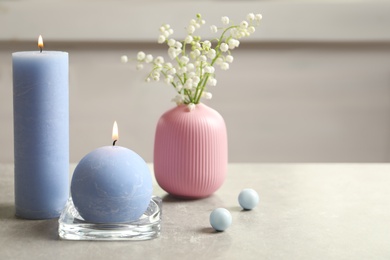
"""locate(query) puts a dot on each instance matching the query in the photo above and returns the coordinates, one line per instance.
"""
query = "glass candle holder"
(73, 227)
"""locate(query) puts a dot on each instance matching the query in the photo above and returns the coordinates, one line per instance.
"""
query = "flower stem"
(203, 85)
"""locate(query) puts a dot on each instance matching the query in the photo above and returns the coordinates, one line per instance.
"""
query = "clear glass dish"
(73, 227)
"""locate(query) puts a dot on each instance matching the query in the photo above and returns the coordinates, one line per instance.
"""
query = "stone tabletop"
(306, 211)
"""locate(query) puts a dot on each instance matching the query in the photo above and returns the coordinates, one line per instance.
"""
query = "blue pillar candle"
(111, 184)
(41, 133)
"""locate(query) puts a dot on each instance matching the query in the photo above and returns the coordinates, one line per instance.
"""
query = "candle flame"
(40, 42)
(115, 135)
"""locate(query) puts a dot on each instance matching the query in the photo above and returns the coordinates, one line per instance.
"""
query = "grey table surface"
(306, 211)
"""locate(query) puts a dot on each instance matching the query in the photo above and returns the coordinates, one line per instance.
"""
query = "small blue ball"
(248, 199)
(220, 219)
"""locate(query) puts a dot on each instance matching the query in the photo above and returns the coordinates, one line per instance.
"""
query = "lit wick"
(40, 43)
(114, 133)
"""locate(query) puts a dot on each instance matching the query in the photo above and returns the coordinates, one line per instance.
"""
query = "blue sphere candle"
(111, 184)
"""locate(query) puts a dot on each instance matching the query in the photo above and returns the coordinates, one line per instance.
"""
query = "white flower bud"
(206, 45)
(244, 24)
(159, 60)
(191, 29)
(224, 47)
(196, 45)
(161, 39)
(191, 75)
(251, 29)
(184, 59)
(179, 87)
(156, 76)
(202, 58)
(250, 17)
(209, 69)
(196, 80)
(148, 58)
(211, 54)
(172, 53)
(225, 20)
(168, 79)
(233, 43)
(141, 55)
(165, 34)
(196, 53)
(207, 95)
(182, 70)
(178, 45)
(190, 66)
(229, 58)
(124, 59)
(212, 82)
(219, 61)
(188, 84)
(258, 17)
(171, 42)
(224, 66)
(191, 106)
(188, 39)
(140, 66)
(178, 99)
(214, 29)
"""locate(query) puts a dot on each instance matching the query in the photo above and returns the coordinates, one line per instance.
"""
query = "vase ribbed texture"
(190, 151)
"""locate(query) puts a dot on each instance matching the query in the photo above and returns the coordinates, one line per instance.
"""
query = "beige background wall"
(314, 97)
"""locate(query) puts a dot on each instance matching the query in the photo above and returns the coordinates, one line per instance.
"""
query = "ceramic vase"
(190, 151)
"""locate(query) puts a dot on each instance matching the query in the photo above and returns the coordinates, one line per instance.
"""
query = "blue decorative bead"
(248, 199)
(220, 219)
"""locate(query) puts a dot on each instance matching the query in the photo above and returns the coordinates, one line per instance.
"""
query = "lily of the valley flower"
(194, 59)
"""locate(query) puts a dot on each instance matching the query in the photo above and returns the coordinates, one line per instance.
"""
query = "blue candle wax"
(111, 184)
(41, 133)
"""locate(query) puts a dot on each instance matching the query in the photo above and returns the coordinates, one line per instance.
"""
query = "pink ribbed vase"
(190, 151)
